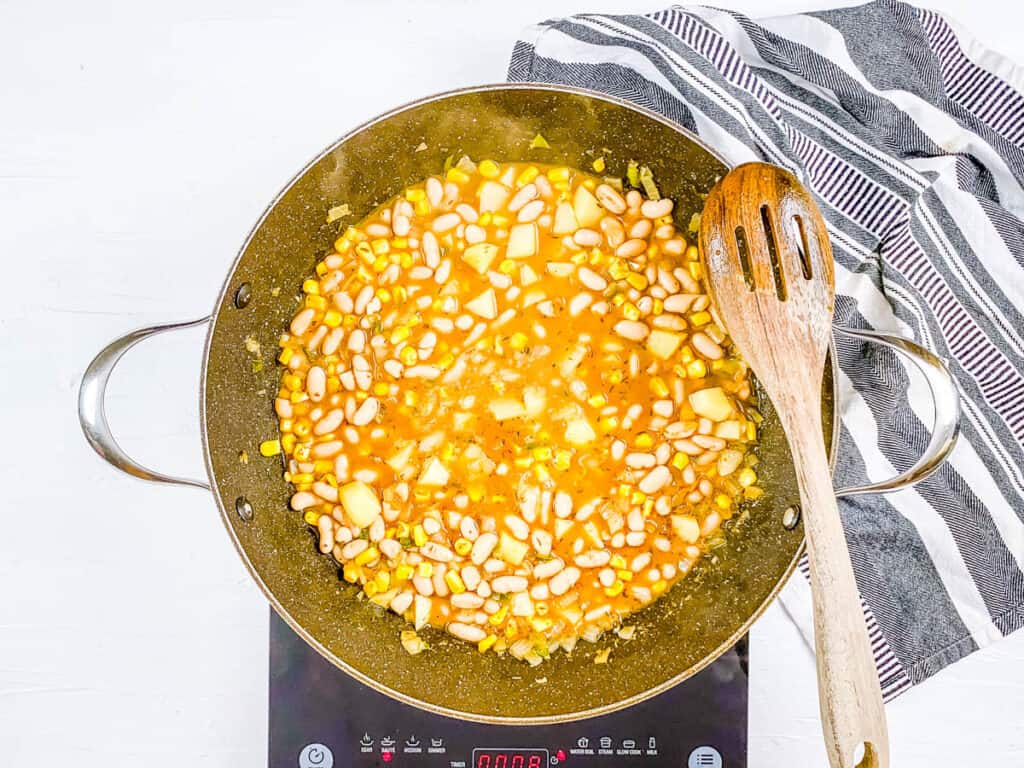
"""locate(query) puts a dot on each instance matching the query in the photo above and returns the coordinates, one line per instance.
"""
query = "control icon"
(437, 742)
(705, 757)
(316, 756)
(606, 742)
(582, 742)
(366, 741)
(412, 741)
(387, 741)
(652, 743)
(629, 744)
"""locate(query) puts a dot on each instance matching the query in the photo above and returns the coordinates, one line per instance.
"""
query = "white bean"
(655, 480)
(564, 580)
(445, 222)
(470, 577)
(591, 279)
(467, 632)
(366, 412)
(655, 209)
(586, 238)
(467, 600)
(483, 547)
(509, 584)
(522, 197)
(704, 345)
(329, 423)
(354, 548)
(437, 552)
(609, 197)
(400, 603)
(547, 568)
(519, 527)
(435, 191)
(469, 528)
(530, 211)
(301, 322)
(594, 558)
(633, 330)
(640, 460)
(424, 585)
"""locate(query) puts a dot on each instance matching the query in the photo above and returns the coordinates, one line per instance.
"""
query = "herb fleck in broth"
(508, 410)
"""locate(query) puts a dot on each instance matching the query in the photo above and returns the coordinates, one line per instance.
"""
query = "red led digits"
(496, 758)
(534, 762)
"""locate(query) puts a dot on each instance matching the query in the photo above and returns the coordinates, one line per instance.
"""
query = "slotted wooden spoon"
(768, 261)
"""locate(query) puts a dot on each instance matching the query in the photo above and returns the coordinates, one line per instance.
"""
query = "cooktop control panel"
(701, 723)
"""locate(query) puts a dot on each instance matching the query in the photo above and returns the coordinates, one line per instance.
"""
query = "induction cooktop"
(321, 717)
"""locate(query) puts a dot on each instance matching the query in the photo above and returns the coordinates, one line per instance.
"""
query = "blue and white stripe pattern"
(911, 135)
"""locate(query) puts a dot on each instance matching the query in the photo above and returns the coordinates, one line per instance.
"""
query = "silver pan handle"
(947, 411)
(92, 401)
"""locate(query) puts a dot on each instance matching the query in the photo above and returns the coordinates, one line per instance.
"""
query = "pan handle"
(92, 401)
(947, 411)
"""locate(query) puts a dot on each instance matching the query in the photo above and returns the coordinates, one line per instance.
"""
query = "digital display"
(510, 758)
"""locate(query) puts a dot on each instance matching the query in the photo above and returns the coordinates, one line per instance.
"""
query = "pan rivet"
(244, 508)
(243, 295)
(791, 517)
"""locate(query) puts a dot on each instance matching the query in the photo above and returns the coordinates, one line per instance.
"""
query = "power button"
(316, 756)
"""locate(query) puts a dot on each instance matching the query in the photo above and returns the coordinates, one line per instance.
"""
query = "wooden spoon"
(768, 261)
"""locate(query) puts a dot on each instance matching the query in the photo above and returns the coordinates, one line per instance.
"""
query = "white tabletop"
(137, 147)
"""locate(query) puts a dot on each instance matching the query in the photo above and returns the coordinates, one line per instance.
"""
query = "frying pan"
(679, 634)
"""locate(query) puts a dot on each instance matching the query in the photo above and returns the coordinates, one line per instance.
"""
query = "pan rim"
(361, 677)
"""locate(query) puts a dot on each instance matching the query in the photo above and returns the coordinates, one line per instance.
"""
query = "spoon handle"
(849, 693)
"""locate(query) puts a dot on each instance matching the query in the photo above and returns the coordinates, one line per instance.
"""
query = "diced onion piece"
(562, 527)
(729, 430)
(360, 503)
(535, 400)
(399, 461)
(522, 241)
(711, 403)
(560, 268)
(527, 275)
(412, 642)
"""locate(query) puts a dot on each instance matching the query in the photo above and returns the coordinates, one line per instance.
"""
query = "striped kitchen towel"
(911, 135)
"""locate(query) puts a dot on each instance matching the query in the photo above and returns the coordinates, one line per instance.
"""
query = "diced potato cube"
(534, 296)
(585, 206)
(535, 400)
(686, 528)
(522, 241)
(565, 220)
(360, 503)
(511, 549)
(579, 433)
(562, 527)
(485, 305)
(521, 604)
(729, 430)
(434, 473)
(527, 276)
(493, 196)
(728, 462)
(506, 408)
(399, 461)
(560, 268)
(712, 403)
(663, 344)
(461, 421)
(480, 255)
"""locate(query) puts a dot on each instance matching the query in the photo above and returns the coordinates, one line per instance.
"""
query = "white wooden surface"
(138, 143)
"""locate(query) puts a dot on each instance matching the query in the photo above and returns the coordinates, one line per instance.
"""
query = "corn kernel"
(311, 287)
(405, 261)
(463, 546)
(637, 497)
(542, 453)
(380, 246)
(270, 447)
(316, 302)
(485, 218)
(692, 254)
(311, 517)
(332, 318)
(625, 490)
(722, 501)
(529, 174)
(370, 588)
(630, 312)
(608, 424)
(350, 572)
(476, 491)
(541, 624)
(368, 555)
(301, 451)
(488, 642)
(382, 580)
(644, 440)
(511, 629)
(419, 536)
(457, 175)
(746, 477)
(404, 573)
(541, 473)
(614, 377)
(658, 386)
(498, 616)
(751, 431)
(625, 574)
(696, 270)
(618, 269)
(637, 280)
(302, 478)
(415, 195)
(421, 207)
(365, 251)
(518, 341)
(680, 461)
(454, 582)
(657, 307)
(659, 586)
(489, 169)
(617, 562)
(400, 334)
(341, 245)
(615, 589)
(523, 462)
(507, 267)
(698, 319)
(288, 443)
(321, 269)
(563, 459)
(597, 401)
(425, 570)
(599, 165)
(696, 369)
(286, 354)
(753, 492)
(408, 356)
